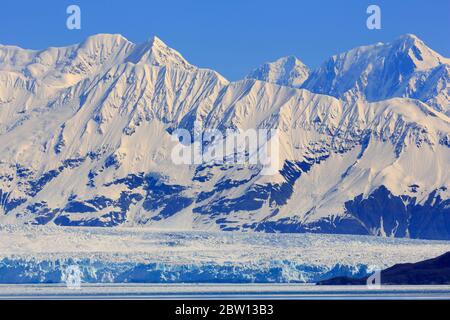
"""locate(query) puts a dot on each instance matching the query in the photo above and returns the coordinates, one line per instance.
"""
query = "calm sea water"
(222, 291)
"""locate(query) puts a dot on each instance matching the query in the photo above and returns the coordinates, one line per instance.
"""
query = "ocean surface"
(219, 291)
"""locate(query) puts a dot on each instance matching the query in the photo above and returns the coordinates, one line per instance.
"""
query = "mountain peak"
(409, 37)
(407, 41)
(405, 67)
(420, 54)
(287, 71)
(106, 37)
(153, 51)
(156, 52)
(289, 58)
(104, 40)
(155, 41)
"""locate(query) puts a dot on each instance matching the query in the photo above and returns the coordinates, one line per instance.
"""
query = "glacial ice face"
(17, 271)
(37, 254)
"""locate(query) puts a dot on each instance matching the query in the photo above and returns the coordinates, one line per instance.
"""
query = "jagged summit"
(409, 39)
(154, 51)
(105, 38)
(286, 71)
(157, 41)
(157, 53)
(95, 52)
(405, 67)
(422, 56)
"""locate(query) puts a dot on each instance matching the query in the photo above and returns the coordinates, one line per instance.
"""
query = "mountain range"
(87, 134)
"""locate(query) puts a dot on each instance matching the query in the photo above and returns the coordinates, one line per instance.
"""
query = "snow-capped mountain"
(405, 67)
(286, 71)
(87, 134)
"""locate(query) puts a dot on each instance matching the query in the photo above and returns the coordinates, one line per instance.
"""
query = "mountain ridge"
(404, 67)
(288, 71)
(407, 58)
(87, 135)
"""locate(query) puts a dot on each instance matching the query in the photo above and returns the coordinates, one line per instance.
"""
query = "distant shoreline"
(434, 271)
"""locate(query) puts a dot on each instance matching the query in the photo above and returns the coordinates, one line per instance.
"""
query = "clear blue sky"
(230, 36)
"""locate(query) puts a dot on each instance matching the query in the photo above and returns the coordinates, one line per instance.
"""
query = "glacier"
(40, 254)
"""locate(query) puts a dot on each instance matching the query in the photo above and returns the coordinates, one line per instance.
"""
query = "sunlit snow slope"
(86, 140)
